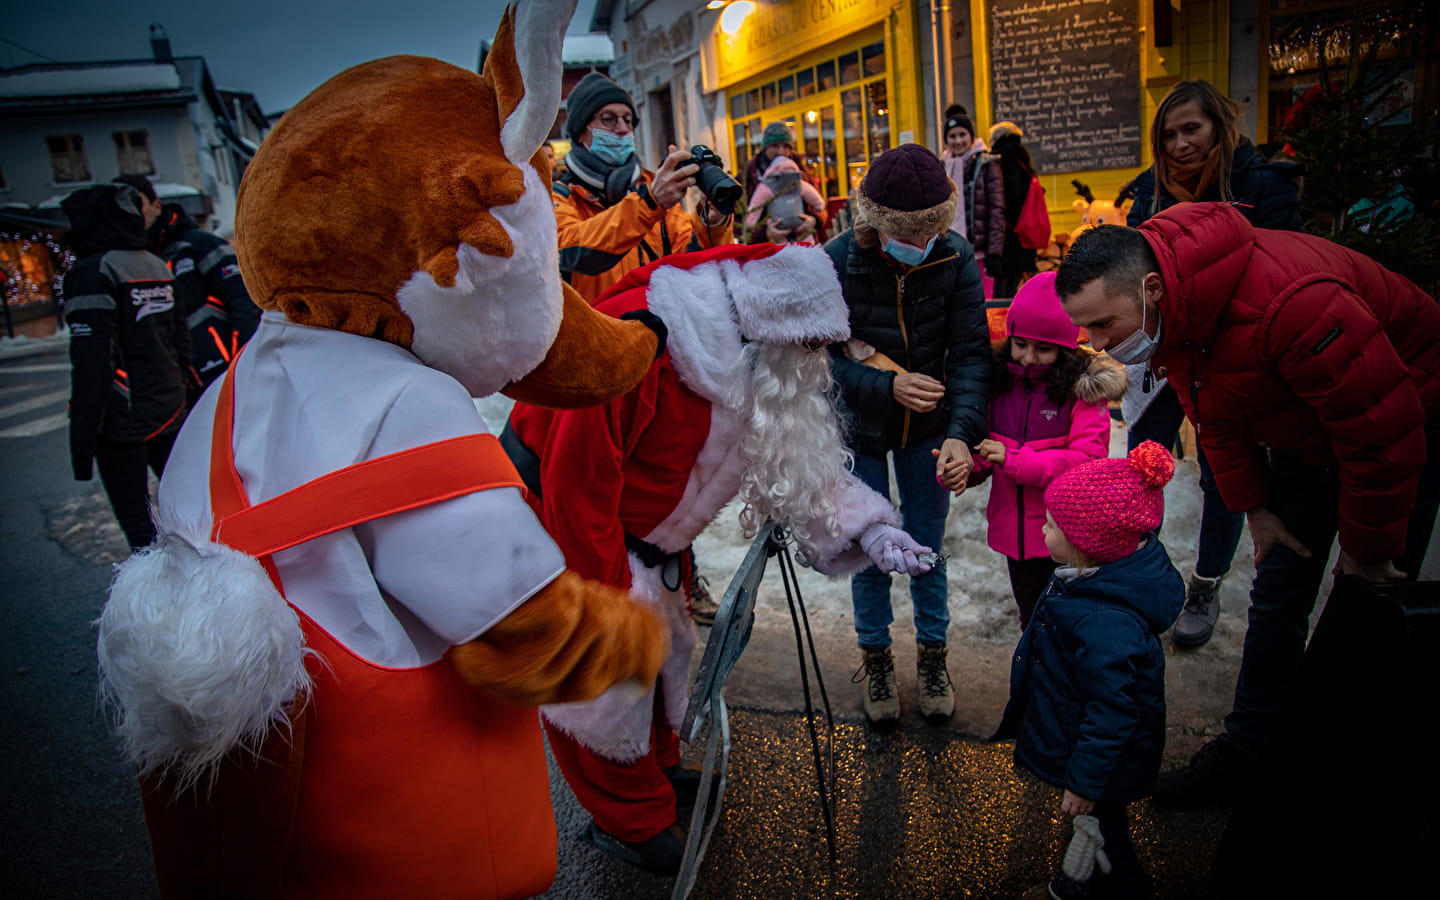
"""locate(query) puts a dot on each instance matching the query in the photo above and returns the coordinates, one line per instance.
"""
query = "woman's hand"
(919, 392)
(953, 464)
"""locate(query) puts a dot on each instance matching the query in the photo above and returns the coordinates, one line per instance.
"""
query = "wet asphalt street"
(920, 813)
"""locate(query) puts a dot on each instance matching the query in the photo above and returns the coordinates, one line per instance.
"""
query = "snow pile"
(91, 80)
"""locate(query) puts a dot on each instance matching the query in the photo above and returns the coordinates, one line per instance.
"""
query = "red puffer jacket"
(1288, 341)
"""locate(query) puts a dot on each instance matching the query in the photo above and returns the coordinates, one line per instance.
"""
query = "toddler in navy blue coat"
(1087, 688)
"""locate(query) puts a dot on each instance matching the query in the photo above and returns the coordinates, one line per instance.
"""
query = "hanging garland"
(19, 288)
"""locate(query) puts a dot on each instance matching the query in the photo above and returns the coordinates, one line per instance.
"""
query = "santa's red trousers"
(631, 801)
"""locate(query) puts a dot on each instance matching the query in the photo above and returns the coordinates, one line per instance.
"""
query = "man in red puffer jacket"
(1312, 374)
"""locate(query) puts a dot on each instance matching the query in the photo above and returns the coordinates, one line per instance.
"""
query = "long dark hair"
(1070, 364)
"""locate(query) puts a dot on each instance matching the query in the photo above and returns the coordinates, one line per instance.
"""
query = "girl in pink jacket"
(1049, 412)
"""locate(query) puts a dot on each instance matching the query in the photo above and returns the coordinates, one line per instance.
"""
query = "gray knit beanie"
(586, 99)
(776, 132)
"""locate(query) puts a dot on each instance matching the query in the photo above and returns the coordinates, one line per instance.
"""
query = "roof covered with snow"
(90, 79)
(587, 48)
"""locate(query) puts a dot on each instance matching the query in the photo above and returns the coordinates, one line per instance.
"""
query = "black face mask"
(609, 182)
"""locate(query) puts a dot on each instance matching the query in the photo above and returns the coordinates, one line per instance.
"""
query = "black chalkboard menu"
(1068, 73)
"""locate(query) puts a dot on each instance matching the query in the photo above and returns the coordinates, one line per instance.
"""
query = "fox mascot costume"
(326, 667)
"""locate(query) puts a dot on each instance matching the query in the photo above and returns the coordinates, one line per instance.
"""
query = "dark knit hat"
(586, 98)
(776, 132)
(907, 193)
(959, 121)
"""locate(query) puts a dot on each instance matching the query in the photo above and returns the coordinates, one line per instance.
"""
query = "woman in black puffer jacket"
(1016, 170)
(915, 379)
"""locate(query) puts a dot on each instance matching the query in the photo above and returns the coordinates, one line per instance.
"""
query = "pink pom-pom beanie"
(1106, 506)
(1036, 314)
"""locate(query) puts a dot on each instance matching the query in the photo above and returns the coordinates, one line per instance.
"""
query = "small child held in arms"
(1049, 412)
(1087, 688)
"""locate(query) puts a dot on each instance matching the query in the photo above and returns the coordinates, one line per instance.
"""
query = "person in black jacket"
(919, 396)
(1200, 156)
(128, 350)
(208, 287)
(1016, 170)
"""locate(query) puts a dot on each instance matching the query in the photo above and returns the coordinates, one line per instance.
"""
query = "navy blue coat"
(1087, 687)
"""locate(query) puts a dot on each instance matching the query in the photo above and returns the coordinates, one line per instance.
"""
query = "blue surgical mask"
(1138, 347)
(905, 254)
(610, 147)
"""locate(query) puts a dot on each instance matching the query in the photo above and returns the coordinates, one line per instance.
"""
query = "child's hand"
(953, 465)
(1075, 805)
(992, 451)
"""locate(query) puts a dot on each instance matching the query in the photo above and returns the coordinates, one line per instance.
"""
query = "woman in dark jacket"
(980, 215)
(917, 309)
(1200, 156)
(1016, 170)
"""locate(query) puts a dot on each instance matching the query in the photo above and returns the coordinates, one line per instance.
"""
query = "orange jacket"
(598, 245)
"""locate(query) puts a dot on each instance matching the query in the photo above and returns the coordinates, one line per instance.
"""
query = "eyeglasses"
(608, 120)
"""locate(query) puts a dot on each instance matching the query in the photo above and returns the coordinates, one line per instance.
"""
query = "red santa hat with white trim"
(780, 293)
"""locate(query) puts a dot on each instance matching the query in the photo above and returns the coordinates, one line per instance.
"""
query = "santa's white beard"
(795, 458)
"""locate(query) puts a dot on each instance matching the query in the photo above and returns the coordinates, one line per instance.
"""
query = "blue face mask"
(610, 147)
(905, 254)
(1138, 347)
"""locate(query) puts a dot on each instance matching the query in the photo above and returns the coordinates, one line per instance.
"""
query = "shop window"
(752, 102)
(805, 82)
(850, 67)
(132, 149)
(852, 118)
(742, 146)
(67, 158)
(877, 117)
(737, 106)
(787, 89)
(827, 151)
(874, 58)
(767, 95)
(825, 75)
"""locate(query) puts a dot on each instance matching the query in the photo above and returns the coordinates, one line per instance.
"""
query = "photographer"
(617, 216)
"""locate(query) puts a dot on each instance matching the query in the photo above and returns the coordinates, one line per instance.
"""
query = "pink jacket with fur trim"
(1043, 440)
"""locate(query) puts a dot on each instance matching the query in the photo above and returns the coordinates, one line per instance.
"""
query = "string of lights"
(21, 286)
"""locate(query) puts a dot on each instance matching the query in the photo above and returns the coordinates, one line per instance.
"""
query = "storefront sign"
(782, 30)
(1068, 73)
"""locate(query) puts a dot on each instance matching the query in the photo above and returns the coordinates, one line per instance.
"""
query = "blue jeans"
(1286, 585)
(924, 504)
(1219, 528)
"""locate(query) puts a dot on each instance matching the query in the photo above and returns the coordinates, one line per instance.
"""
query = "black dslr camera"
(720, 189)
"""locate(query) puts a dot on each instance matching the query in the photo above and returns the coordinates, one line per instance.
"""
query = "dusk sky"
(279, 50)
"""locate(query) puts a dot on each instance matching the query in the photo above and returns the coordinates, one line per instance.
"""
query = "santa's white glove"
(892, 550)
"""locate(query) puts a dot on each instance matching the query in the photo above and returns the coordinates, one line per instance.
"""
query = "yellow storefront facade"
(843, 74)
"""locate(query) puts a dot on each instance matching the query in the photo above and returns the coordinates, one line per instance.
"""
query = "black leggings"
(123, 471)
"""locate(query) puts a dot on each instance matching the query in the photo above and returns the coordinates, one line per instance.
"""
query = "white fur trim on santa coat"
(857, 507)
(616, 725)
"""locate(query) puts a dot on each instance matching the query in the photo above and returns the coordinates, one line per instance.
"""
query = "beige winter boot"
(882, 703)
(937, 697)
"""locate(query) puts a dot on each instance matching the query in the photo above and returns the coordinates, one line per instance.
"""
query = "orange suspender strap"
(350, 496)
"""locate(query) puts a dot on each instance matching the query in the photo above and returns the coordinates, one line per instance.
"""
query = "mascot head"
(408, 200)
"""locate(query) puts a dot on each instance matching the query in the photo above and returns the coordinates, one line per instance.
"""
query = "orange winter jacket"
(599, 245)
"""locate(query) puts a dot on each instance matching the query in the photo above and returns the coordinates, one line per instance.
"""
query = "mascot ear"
(524, 70)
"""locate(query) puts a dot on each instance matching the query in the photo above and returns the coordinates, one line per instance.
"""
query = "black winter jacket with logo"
(930, 320)
(209, 291)
(128, 342)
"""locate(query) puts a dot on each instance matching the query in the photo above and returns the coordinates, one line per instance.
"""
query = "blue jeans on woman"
(1219, 528)
(924, 504)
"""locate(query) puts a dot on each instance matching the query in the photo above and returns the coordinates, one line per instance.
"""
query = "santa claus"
(737, 405)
